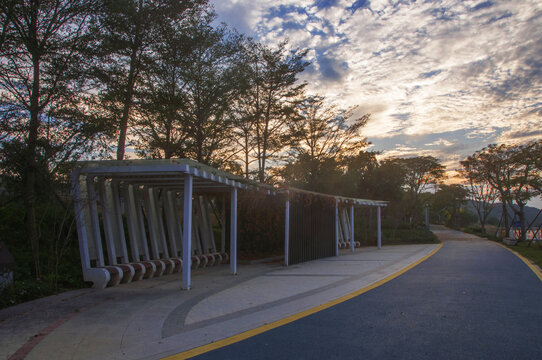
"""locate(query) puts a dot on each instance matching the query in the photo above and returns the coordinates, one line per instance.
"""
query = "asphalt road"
(471, 300)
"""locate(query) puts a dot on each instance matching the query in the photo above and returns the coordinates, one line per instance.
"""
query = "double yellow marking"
(253, 332)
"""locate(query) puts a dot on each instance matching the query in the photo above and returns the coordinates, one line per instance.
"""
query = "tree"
(320, 134)
(483, 198)
(160, 130)
(533, 155)
(419, 172)
(40, 96)
(211, 87)
(512, 171)
(124, 34)
(524, 175)
(269, 103)
(449, 199)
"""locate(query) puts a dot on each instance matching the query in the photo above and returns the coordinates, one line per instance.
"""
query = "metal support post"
(378, 227)
(233, 232)
(336, 227)
(187, 231)
(352, 227)
(287, 231)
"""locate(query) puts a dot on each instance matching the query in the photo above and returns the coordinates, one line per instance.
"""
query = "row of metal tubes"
(309, 243)
(109, 199)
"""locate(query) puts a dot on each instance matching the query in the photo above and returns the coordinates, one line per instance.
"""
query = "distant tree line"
(509, 173)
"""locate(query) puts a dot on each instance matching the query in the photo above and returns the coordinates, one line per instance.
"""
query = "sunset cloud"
(443, 77)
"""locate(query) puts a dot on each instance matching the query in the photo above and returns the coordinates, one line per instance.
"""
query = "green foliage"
(513, 171)
(59, 255)
(407, 235)
(447, 204)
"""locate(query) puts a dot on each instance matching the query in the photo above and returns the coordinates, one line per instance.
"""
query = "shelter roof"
(169, 173)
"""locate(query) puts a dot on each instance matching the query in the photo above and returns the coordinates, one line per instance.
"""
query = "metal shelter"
(146, 198)
(144, 218)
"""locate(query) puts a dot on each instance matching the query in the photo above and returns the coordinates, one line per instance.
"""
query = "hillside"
(530, 213)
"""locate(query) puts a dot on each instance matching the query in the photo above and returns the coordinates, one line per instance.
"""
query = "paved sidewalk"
(153, 318)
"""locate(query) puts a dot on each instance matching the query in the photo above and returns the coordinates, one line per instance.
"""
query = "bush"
(407, 236)
(59, 254)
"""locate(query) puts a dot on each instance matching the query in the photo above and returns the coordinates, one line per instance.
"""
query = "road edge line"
(534, 268)
(263, 328)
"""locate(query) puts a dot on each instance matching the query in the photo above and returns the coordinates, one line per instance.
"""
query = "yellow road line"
(535, 269)
(253, 332)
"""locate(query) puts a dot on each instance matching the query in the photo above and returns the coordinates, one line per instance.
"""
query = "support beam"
(117, 209)
(80, 221)
(132, 222)
(107, 223)
(95, 223)
(187, 231)
(287, 231)
(378, 228)
(233, 231)
(336, 227)
(223, 226)
(352, 227)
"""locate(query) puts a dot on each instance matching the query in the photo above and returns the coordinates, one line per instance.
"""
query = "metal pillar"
(336, 227)
(223, 227)
(80, 220)
(352, 227)
(187, 231)
(107, 225)
(378, 228)
(287, 231)
(233, 232)
(95, 224)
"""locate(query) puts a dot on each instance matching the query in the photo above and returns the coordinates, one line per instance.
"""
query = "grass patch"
(533, 253)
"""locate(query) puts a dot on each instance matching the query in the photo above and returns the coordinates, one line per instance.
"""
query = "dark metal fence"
(312, 227)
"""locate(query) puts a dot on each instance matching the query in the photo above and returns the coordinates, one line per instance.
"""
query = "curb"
(537, 271)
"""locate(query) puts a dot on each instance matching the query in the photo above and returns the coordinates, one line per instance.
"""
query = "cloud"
(466, 72)
(440, 142)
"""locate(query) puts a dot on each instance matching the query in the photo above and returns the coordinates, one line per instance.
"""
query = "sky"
(441, 78)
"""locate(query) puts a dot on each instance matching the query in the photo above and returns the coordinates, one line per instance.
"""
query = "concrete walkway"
(152, 319)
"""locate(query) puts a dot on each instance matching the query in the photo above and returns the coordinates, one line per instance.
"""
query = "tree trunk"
(126, 109)
(505, 216)
(246, 155)
(31, 166)
(521, 214)
(127, 106)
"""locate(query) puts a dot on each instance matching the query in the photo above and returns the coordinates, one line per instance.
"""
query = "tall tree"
(211, 77)
(40, 92)
(420, 172)
(124, 33)
(524, 175)
(449, 199)
(160, 130)
(270, 102)
(512, 171)
(319, 137)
